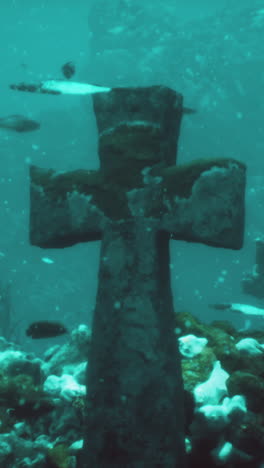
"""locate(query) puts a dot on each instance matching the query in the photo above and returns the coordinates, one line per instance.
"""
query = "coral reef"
(42, 401)
(227, 382)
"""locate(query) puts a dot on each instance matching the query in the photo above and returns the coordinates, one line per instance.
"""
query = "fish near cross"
(135, 203)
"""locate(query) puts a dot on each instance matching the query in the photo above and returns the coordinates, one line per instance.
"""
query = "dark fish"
(220, 306)
(189, 110)
(19, 123)
(68, 69)
(45, 329)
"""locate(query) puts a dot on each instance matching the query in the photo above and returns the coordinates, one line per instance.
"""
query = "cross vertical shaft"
(135, 382)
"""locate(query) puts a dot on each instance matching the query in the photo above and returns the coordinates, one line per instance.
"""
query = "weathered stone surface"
(135, 203)
(135, 378)
(208, 207)
(153, 111)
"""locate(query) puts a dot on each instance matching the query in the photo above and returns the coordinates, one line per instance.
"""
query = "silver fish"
(60, 87)
(244, 309)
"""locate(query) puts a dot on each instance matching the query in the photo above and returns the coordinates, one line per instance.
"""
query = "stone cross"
(135, 203)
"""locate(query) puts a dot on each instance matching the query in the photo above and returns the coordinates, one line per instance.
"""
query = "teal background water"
(212, 52)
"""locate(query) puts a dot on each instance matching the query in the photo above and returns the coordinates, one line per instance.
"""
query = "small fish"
(47, 260)
(220, 306)
(244, 309)
(19, 123)
(60, 87)
(189, 110)
(45, 329)
(68, 70)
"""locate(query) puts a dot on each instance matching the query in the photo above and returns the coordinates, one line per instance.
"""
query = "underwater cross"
(135, 203)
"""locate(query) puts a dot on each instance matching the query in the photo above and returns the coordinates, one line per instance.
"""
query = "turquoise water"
(212, 54)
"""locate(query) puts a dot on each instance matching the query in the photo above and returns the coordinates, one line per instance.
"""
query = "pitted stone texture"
(157, 110)
(213, 212)
(134, 331)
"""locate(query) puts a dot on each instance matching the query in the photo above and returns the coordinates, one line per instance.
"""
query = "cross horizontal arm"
(198, 202)
(205, 202)
(65, 208)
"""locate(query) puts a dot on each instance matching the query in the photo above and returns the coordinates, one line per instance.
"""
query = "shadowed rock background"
(212, 54)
